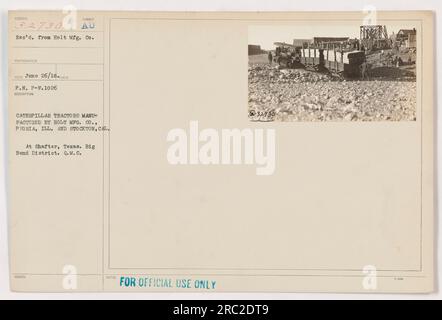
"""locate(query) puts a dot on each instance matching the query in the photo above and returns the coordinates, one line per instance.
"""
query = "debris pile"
(299, 95)
(280, 75)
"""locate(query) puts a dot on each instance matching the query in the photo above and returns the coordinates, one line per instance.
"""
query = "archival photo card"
(221, 151)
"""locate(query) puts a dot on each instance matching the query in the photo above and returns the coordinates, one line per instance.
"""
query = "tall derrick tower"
(374, 37)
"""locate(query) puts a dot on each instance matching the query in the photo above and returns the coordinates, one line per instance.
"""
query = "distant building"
(255, 49)
(319, 40)
(411, 43)
(407, 37)
(404, 33)
(302, 42)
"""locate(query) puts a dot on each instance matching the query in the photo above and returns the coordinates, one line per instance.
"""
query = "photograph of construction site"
(332, 73)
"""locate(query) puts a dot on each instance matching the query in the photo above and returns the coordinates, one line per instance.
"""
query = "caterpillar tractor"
(287, 55)
(337, 58)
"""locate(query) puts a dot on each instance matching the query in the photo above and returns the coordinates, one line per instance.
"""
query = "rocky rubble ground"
(299, 95)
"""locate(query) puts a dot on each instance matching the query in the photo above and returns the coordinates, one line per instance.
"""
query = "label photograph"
(332, 73)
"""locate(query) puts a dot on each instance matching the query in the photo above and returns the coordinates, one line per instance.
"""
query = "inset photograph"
(332, 73)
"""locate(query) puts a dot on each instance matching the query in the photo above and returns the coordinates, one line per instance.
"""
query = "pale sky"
(267, 35)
